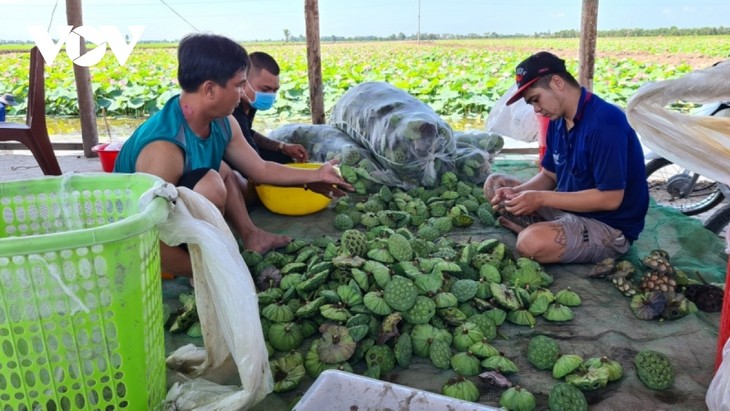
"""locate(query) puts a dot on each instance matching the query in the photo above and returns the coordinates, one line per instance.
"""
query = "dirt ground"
(20, 164)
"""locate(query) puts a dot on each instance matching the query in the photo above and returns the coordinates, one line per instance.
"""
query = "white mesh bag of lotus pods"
(403, 133)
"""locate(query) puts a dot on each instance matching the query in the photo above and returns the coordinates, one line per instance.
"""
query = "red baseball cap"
(532, 68)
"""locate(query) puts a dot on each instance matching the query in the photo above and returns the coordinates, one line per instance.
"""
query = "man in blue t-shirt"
(185, 142)
(589, 200)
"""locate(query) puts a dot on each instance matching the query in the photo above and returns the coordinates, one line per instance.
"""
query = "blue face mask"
(262, 101)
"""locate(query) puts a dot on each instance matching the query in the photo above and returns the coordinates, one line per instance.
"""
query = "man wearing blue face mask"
(260, 94)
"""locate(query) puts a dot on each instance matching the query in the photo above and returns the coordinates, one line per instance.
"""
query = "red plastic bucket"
(106, 157)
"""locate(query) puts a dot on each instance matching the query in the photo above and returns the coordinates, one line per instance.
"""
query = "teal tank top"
(169, 125)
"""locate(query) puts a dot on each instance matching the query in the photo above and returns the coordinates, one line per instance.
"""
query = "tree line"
(666, 31)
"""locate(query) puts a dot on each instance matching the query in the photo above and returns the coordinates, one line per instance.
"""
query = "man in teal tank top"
(186, 141)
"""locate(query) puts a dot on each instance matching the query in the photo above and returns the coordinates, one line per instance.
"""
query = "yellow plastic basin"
(292, 200)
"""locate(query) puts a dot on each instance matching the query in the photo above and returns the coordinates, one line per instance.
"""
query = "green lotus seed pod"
(461, 388)
(654, 369)
(615, 370)
(500, 363)
(566, 364)
(517, 399)
(566, 397)
(543, 352)
(465, 363)
(568, 297)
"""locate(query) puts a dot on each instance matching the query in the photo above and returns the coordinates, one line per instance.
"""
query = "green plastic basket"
(80, 299)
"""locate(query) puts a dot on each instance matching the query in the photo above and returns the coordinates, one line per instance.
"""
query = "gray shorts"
(588, 240)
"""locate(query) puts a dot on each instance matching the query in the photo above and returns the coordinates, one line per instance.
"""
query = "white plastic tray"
(339, 390)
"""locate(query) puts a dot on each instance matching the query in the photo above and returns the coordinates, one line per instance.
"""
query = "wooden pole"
(314, 61)
(87, 109)
(587, 50)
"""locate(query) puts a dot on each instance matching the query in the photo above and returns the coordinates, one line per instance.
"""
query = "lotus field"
(459, 79)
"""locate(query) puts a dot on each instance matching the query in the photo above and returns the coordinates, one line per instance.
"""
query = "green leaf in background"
(457, 78)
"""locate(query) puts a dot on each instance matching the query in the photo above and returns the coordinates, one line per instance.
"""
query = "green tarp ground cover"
(603, 326)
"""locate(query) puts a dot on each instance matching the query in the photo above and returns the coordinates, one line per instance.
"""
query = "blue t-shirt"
(601, 151)
(169, 124)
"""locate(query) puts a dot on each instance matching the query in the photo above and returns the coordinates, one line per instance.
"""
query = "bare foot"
(262, 241)
(510, 225)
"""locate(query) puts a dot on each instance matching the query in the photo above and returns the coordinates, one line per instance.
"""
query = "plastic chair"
(34, 133)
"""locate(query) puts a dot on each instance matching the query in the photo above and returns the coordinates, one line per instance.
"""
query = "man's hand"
(524, 203)
(295, 151)
(327, 190)
(502, 194)
(330, 176)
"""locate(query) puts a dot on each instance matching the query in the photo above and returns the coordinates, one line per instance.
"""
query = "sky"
(249, 20)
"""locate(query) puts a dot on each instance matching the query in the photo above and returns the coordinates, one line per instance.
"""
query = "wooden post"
(314, 61)
(587, 50)
(87, 109)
